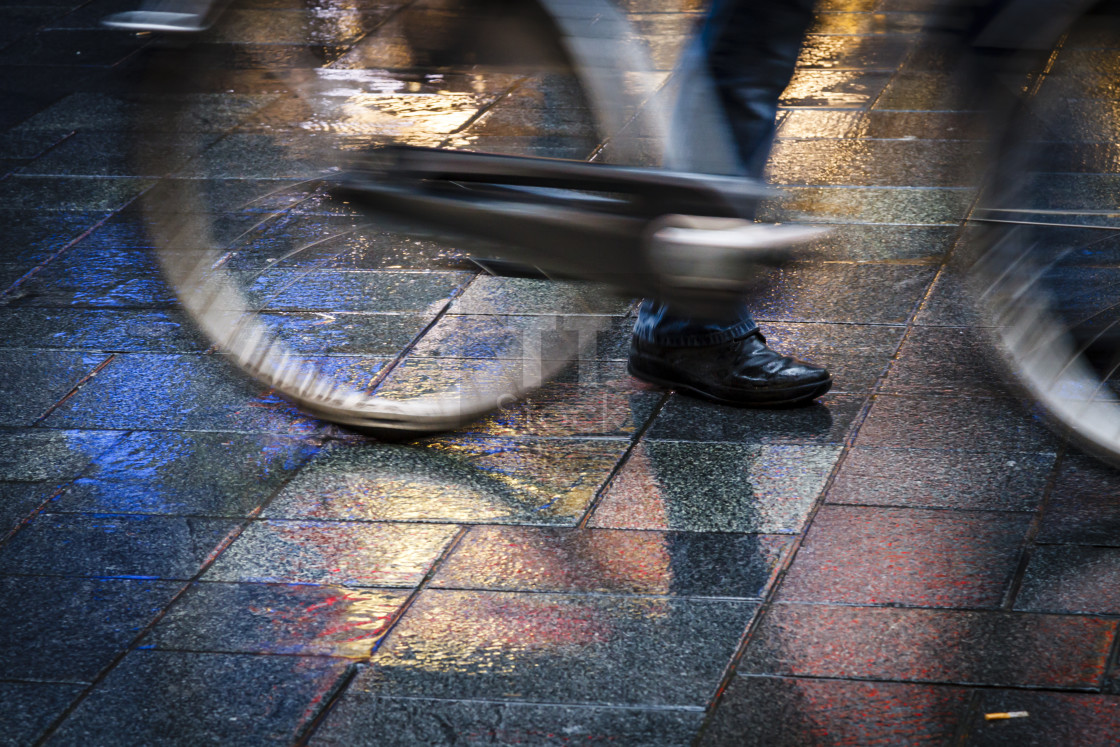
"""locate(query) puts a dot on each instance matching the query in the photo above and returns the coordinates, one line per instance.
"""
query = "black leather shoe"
(742, 372)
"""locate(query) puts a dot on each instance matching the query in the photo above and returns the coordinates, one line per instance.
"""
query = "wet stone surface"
(716, 487)
(277, 619)
(187, 558)
(1082, 509)
(182, 392)
(549, 647)
(32, 381)
(472, 480)
(343, 553)
(32, 706)
(798, 711)
(1055, 718)
(826, 421)
(210, 474)
(68, 629)
(938, 422)
(202, 698)
(1003, 481)
(406, 721)
(110, 545)
(906, 557)
(931, 646)
(613, 562)
(1071, 579)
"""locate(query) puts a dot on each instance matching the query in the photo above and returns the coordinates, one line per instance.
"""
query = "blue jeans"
(746, 51)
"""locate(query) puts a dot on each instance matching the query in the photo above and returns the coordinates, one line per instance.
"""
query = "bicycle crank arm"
(701, 264)
(648, 191)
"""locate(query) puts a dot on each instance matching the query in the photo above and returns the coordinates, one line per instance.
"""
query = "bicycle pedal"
(699, 251)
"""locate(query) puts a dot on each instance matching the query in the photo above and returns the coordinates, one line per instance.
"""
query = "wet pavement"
(187, 559)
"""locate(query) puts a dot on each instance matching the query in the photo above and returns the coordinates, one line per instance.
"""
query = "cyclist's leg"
(746, 53)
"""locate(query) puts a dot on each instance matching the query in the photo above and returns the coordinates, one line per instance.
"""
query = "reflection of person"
(746, 50)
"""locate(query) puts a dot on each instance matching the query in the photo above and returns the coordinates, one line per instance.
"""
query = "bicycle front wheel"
(360, 319)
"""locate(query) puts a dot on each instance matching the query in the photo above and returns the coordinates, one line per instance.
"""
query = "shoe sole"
(791, 397)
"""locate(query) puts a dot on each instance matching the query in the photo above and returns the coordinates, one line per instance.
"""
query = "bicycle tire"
(1045, 238)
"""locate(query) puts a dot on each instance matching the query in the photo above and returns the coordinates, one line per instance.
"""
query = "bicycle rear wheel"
(1047, 238)
(360, 319)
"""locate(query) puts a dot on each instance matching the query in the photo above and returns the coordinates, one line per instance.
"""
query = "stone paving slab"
(187, 559)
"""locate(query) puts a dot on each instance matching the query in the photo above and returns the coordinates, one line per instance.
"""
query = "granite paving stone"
(340, 553)
(925, 645)
(88, 275)
(177, 392)
(946, 361)
(48, 48)
(69, 629)
(36, 455)
(928, 478)
(920, 90)
(868, 23)
(363, 718)
(71, 193)
(830, 51)
(716, 487)
(31, 381)
(32, 236)
(19, 500)
(99, 111)
(887, 163)
(827, 421)
(335, 333)
(974, 423)
(557, 648)
(613, 562)
(839, 293)
(616, 408)
(1082, 509)
(108, 545)
(249, 155)
(9, 275)
(300, 619)
(556, 337)
(101, 330)
(907, 557)
(209, 474)
(479, 479)
(798, 712)
(112, 154)
(488, 294)
(910, 206)
(948, 304)
(834, 89)
(880, 125)
(201, 698)
(855, 242)
(30, 707)
(1071, 579)
(388, 291)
